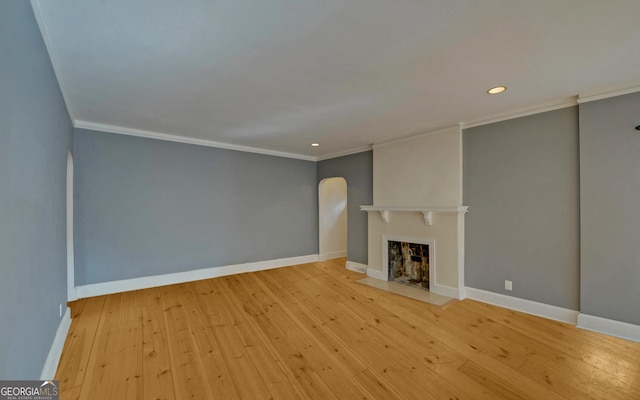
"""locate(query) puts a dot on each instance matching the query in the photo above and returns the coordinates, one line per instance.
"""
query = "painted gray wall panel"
(357, 169)
(146, 207)
(35, 136)
(521, 185)
(610, 221)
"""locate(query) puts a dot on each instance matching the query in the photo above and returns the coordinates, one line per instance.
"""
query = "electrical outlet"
(508, 285)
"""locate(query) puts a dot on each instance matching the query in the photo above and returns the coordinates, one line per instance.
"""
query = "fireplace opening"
(408, 263)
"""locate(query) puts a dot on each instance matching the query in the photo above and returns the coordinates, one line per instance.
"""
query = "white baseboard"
(126, 285)
(53, 358)
(356, 267)
(609, 327)
(375, 273)
(331, 255)
(445, 290)
(525, 306)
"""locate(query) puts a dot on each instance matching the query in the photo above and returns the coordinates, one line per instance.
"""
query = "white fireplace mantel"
(427, 211)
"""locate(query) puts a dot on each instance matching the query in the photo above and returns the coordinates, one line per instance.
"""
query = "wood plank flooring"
(310, 332)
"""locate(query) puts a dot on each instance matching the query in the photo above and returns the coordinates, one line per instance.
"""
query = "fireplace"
(409, 261)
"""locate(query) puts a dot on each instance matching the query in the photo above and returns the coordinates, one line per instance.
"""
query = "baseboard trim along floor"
(126, 285)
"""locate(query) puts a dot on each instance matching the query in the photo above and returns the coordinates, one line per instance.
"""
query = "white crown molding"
(526, 306)
(609, 327)
(53, 358)
(344, 153)
(523, 112)
(126, 285)
(183, 139)
(419, 135)
(46, 38)
(602, 96)
(357, 267)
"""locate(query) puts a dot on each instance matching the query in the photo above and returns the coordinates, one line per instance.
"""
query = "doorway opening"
(332, 212)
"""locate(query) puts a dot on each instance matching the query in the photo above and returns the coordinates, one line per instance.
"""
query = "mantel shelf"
(427, 211)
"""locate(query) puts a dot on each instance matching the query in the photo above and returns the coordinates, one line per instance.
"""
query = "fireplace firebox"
(409, 261)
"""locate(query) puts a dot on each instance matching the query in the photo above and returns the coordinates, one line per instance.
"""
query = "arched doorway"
(332, 211)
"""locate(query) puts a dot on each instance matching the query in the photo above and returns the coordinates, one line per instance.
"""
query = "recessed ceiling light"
(497, 89)
(315, 144)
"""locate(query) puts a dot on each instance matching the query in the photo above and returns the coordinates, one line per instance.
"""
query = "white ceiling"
(281, 74)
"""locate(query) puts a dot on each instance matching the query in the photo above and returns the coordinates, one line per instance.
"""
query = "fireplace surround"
(446, 274)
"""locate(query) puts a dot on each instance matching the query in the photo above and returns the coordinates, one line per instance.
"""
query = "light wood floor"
(310, 332)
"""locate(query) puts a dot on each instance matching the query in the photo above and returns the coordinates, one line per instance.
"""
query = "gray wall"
(521, 184)
(357, 170)
(610, 220)
(147, 207)
(35, 136)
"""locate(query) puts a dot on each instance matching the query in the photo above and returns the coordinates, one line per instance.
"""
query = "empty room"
(319, 199)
